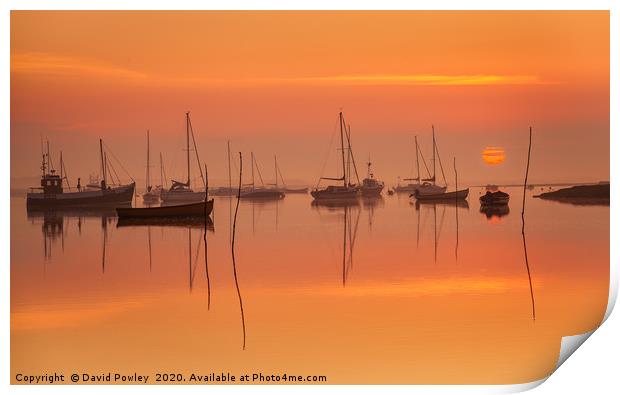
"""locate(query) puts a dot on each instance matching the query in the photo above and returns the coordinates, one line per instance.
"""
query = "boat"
(345, 191)
(283, 188)
(151, 195)
(494, 198)
(181, 191)
(184, 210)
(52, 193)
(424, 186)
(371, 186)
(262, 192)
(445, 196)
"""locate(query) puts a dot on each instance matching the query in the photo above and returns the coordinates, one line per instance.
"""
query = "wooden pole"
(527, 264)
(232, 247)
(527, 170)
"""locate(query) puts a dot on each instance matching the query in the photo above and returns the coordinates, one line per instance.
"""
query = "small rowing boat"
(494, 198)
(445, 196)
(184, 210)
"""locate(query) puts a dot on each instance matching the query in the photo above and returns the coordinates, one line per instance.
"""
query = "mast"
(417, 159)
(275, 162)
(161, 170)
(252, 163)
(148, 162)
(49, 159)
(229, 174)
(187, 145)
(434, 178)
(102, 163)
(344, 169)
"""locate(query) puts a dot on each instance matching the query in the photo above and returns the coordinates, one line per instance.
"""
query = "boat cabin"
(51, 183)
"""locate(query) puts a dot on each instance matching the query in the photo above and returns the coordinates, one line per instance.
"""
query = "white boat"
(424, 186)
(347, 190)
(182, 192)
(371, 187)
(261, 192)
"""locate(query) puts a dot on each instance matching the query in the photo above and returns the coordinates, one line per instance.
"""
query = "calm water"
(380, 292)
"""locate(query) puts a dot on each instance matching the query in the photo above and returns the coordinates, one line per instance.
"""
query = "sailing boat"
(346, 191)
(453, 196)
(411, 187)
(260, 192)
(284, 188)
(371, 187)
(150, 196)
(225, 191)
(429, 185)
(52, 193)
(182, 191)
(423, 186)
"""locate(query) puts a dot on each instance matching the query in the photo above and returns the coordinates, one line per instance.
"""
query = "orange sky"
(273, 82)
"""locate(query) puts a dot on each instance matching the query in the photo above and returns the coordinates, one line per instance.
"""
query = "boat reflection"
(458, 203)
(370, 203)
(351, 211)
(189, 222)
(495, 212)
(55, 223)
(335, 204)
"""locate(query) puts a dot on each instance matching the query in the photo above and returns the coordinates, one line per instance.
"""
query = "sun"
(493, 155)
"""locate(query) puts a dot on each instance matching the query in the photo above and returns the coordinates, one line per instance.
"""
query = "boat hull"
(445, 196)
(262, 194)
(93, 198)
(335, 193)
(422, 189)
(183, 210)
(498, 198)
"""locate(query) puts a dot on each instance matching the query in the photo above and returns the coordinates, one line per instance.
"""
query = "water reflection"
(495, 212)
(350, 209)
(290, 287)
(371, 203)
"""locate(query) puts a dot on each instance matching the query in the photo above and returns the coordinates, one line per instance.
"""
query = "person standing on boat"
(79, 186)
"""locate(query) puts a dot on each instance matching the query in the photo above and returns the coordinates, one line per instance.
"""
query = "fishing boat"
(184, 210)
(371, 186)
(338, 192)
(151, 195)
(181, 191)
(51, 192)
(494, 198)
(261, 192)
(424, 186)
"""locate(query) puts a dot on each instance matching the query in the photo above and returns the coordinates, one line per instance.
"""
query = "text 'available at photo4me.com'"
(168, 378)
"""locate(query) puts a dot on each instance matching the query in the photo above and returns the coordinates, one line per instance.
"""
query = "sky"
(273, 83)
